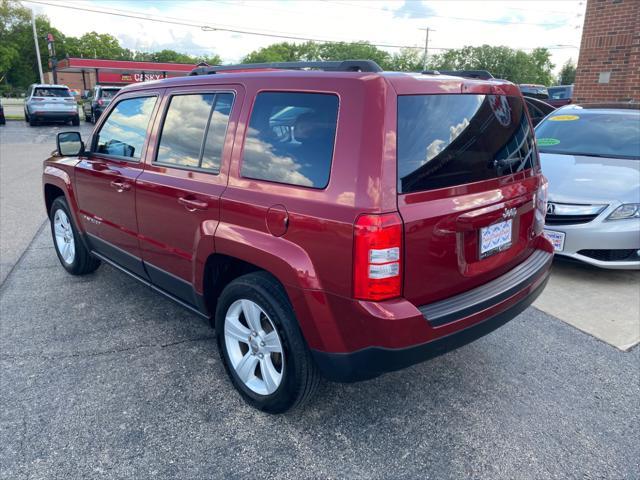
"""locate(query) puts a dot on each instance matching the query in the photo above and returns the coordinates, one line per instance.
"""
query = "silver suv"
(53, 103)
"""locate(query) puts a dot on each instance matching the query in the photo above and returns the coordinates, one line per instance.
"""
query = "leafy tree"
(567, 74)
(283, 52)
(407, 60)
(503, 62)
(96, 45)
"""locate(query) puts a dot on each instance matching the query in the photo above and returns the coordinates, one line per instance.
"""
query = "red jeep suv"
(331, 219)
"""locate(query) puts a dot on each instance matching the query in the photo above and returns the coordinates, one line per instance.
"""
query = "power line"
(222, 28)
(232, 28)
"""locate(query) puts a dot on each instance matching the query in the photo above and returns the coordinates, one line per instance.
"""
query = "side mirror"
(70, 144)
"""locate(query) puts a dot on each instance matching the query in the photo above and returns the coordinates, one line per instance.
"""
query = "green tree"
(284, 52)
(567, 74)
(96, 45)
(407, 60)
(517, 66)
(16, 35)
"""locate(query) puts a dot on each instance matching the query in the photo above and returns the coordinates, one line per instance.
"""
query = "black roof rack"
(479, 74)
(336, 66)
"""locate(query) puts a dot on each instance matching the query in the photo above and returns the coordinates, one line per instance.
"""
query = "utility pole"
(426, 47)
(35, 40)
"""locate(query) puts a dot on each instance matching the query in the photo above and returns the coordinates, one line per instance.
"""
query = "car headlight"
(628, 210)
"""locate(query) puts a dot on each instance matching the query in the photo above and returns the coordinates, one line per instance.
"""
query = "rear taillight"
(540, 199)
(377, 257)
(34, 99)
(100, 102)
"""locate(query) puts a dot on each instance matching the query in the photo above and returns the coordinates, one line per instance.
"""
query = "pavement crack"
(106, 352)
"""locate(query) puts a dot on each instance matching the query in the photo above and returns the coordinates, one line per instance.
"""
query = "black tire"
(87, 118)
(76, 121)
(26, 116)
(94, 118)
(300, 377)
(83, 262)
(32, 121)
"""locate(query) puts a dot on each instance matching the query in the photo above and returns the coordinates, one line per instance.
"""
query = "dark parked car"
(538, 109)
(535, 91)
(560, 95)
(96, 102)
(342, 222)
(2, 119)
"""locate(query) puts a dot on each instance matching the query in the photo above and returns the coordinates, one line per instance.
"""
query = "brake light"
(377, 257)
(540, 199)
(100, 102)
(34, 99)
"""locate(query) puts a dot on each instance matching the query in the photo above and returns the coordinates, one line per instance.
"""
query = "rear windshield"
(109, 93)
(591, 133)
(51, 92)
(559, 93)
(447, 140)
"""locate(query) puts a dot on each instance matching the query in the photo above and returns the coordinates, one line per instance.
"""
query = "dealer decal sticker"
(548, 141)
(564, 118)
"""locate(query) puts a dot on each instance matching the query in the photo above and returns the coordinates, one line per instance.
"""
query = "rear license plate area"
(495, 238)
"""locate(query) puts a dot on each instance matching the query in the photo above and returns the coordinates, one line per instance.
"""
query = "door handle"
(121, 186)
(192, 204)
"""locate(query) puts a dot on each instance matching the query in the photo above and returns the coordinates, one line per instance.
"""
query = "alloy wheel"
(64, 237)
(254, 347)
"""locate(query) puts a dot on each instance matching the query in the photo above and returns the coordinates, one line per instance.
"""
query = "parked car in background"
(50, 103)
(560, 95)
(534, 91)
(538, 109)
(345, 222)
(2, 119)
(97, 100)
(591, 156)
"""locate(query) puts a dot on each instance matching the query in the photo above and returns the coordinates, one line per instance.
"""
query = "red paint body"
(304, 236)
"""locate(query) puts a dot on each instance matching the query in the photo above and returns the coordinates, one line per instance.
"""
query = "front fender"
(59, 177)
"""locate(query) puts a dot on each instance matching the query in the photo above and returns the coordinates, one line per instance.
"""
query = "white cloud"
(377, 21)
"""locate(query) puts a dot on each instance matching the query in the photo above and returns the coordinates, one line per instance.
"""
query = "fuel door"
(277, 220)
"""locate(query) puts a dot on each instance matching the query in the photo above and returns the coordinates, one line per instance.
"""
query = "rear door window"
(291, 138)
(194, 130)
(51, 92)
(124, 132)
(448, 140)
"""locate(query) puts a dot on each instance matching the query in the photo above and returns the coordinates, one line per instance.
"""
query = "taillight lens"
(540, 199)
(377, 257)
(100, 102)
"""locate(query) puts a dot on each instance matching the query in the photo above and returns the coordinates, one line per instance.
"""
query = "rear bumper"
(55, 116)
(490, 306)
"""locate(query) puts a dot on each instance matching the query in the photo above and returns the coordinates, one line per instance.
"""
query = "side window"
(290, 138)
(217, 132)
(194, 130)
(123, 133)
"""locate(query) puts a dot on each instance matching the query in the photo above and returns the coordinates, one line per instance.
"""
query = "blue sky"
(518, 24)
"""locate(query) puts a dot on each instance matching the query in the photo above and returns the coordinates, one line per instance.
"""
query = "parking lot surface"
(102, 378)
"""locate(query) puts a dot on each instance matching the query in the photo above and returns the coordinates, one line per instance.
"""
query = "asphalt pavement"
(102, 378)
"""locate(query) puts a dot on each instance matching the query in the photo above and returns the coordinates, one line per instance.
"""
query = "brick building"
(609, 64)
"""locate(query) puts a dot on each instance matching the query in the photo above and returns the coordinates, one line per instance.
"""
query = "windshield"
(591, 133)
(446, 140)
(109, 93)
(51, 92)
